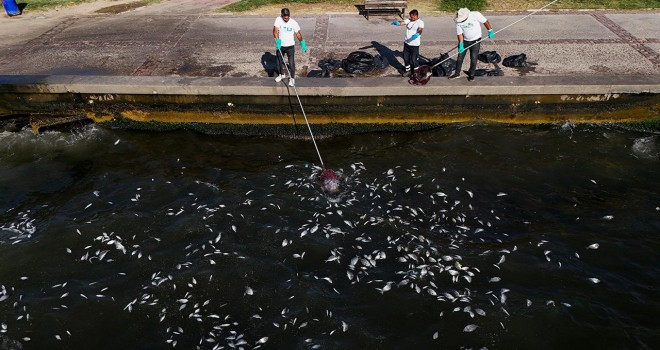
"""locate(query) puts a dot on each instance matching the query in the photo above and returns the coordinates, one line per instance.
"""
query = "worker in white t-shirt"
(283, 31)
(468, 30)
(411, 42)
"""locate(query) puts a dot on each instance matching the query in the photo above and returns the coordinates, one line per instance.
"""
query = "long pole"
(302, 109)
(478, 41)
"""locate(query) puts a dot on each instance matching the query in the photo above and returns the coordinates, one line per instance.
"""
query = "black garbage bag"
(515, 61)
(488, 73)
(489, 57)
(444, 69)
(359, 62)
(330, 65)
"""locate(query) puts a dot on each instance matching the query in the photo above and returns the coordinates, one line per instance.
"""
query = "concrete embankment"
(181, 64)
(333, 105)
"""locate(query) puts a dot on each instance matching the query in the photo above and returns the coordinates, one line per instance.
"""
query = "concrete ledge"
(376, 86)
(381, 103)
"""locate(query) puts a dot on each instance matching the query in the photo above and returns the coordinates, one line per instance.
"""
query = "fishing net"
(421, 75)
(329, 181)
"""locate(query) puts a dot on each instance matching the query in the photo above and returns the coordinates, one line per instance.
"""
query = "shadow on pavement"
(388, 54)
(269, 62)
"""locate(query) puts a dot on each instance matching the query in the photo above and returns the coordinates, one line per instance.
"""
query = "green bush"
(246, 5)
(45, 4)
(453, 5)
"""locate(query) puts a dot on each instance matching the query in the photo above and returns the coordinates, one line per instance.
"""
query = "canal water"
(466, 236)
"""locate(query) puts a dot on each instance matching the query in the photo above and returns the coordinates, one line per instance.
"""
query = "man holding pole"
(283, 31)
(468, 30)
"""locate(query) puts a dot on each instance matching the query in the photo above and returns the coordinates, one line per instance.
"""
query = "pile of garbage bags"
(357, 62)
(361, 62)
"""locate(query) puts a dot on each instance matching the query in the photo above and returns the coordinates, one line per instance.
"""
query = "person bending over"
(468, 30)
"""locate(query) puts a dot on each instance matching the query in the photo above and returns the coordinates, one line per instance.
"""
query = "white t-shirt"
(471, 27)
(411, 29)
(287, 30)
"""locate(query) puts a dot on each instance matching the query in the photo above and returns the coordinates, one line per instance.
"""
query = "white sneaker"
(279, 78)
(292, 82)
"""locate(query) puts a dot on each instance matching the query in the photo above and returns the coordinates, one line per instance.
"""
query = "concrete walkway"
(187, 38)
(182, 41)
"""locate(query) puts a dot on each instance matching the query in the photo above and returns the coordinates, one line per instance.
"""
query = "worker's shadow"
(269, 62)
(386, 53)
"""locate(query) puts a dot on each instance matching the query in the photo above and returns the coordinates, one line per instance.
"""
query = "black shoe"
(470, 77)
(454, 76)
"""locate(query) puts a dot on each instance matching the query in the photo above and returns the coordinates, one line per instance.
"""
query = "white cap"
(462, 14)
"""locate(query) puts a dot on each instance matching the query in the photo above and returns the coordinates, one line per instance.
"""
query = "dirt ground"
(119, 8)
(101, 6)
(425, 7)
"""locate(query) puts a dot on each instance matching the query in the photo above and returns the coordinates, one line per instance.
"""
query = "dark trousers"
(410, 56)
(290, 52)
(474, 52)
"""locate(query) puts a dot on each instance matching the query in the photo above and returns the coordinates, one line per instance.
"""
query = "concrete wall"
(333, 106)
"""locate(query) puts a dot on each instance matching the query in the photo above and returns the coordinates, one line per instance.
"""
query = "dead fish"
(593, 246)
(470, 328)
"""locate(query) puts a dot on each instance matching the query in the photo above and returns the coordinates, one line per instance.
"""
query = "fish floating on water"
(415, 239)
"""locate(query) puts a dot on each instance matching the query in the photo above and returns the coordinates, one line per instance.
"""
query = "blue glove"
(396, 23)
(414, 36)
(278, 43)
(491, 33)
(303, 45)
(461, 47)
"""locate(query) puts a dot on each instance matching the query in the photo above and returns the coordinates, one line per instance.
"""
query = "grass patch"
(440, 5)
(247, 5)
(48, 4)
(453, 5)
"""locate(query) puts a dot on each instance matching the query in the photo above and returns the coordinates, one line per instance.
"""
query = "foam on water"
(25, 145)
(646, 147)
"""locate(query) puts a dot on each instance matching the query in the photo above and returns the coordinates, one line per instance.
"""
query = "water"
(468, 236)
